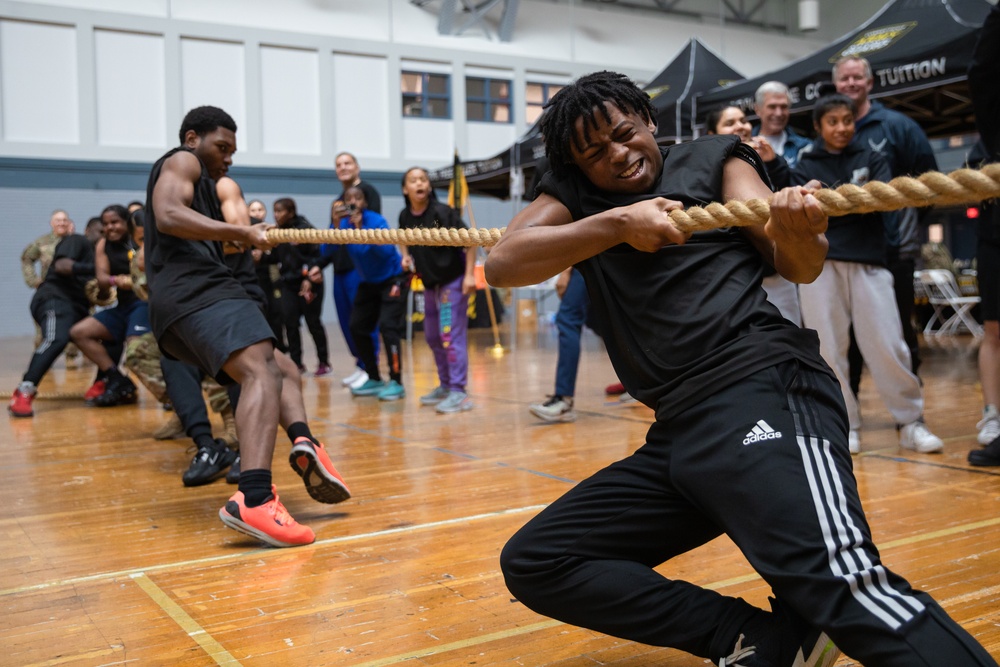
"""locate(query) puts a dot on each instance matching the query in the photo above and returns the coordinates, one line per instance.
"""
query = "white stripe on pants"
(862, 294)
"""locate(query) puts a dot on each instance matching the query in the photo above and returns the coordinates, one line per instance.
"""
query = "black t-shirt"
(185, 276)
(436, 265)
(293, 257)
(245, 271)
(120, 258)
(687, 320)
(69, 288)
(859, 237)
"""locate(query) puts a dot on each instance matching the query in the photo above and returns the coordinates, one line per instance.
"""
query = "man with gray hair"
(771, 104)
(903, 144)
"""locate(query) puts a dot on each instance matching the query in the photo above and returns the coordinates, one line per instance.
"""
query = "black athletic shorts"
(988, 277)
(207, 338)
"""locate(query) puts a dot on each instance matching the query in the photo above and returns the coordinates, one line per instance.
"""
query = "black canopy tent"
(694, 69)
(918, 49)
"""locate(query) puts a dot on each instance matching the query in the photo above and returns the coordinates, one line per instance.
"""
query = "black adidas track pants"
(791, 505)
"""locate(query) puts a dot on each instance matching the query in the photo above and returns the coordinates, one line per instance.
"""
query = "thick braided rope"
(962, 186)
(48, 395)
(437, 236)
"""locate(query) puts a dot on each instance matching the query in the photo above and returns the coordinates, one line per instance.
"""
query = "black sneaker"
(780, 639)
(987, 456)
(208, 464)
(118, 391)
(233, 476)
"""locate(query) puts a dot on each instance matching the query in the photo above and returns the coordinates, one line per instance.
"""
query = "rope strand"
(962, 186)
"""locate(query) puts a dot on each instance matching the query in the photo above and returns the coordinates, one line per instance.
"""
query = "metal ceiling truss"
(738, 12)
(456, 17)
(451, 21)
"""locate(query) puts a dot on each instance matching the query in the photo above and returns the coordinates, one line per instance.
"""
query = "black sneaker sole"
(112, 401)
(321, 487)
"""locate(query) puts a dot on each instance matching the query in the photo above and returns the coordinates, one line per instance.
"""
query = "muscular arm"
(172, 199)
(540, 242)
(234, 207)
(793, 239)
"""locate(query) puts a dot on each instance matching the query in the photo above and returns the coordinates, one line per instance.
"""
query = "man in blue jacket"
(771, 104)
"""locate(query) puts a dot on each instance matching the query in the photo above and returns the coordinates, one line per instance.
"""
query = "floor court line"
(222, 657)
(208, 643)
(265, 552)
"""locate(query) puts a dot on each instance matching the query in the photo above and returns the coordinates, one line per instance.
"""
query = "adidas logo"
(760, 432)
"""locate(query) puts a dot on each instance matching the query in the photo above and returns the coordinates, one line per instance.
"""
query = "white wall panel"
(367, 19)
(214, 73)
(487, 139)
(290, 109)
(144, 7)
(361, 105)
(40, 89)
(428, 143)
(131, 89)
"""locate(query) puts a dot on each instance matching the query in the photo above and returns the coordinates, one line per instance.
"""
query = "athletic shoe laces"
(739, 653)
(278, 511)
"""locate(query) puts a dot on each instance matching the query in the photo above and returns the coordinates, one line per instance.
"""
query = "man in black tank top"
(750, 437)
(202, 314)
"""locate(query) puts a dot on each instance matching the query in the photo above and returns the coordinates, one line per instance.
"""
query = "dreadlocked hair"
(585, 98)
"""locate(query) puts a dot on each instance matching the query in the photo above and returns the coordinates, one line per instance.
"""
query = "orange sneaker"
(269, 522)
(323, 482)
(20, 404)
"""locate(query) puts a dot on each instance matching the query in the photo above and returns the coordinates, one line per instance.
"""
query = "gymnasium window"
(426, 95)
(487, 100)
(537, 95)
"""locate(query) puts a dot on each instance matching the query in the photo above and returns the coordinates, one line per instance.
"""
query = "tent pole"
(497, 349)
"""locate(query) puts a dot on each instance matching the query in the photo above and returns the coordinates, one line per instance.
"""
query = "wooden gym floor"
(108, 560)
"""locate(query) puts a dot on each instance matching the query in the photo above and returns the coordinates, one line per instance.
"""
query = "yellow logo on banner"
(874, 40)
(654, 92)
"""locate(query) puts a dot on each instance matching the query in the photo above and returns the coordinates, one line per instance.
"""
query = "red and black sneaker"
(322, 480)
(269, 522)
(95, 390)
(20, 404)
(118, 390)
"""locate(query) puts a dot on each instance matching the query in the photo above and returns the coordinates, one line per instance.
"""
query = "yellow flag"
(458, 188)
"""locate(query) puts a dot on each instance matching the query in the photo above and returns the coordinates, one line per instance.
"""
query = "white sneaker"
(555, 409)
(352, 378)
(989, 426)
(854, 441)
(916, 437)
(355, 379)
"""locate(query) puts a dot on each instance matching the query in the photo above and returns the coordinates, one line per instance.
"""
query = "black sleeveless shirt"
(185, 276)
(687, 320)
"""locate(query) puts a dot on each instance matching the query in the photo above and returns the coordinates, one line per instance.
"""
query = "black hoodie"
(856, 238)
